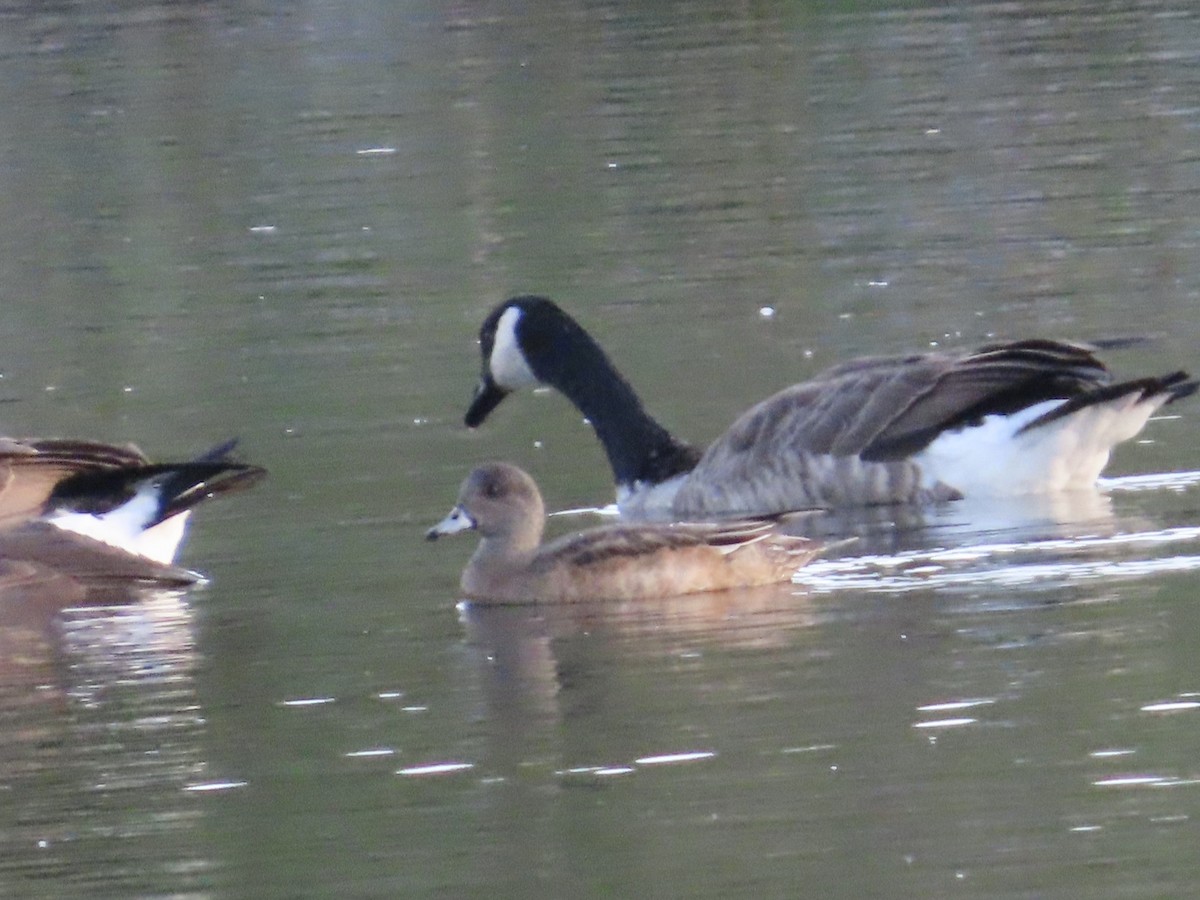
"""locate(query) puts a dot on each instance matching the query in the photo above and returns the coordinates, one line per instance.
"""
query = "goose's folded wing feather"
(888, 408)
(995, 380)
(847, 436)
(31, 469)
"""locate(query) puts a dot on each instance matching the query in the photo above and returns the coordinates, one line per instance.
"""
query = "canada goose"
(1025, 417)
(615, 562)
(114, 495)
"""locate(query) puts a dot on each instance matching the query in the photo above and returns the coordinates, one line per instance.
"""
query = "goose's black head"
(527, 341)
(518, 341)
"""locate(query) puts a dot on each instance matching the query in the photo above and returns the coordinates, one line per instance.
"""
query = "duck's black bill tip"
(432, 534)
(487, 397)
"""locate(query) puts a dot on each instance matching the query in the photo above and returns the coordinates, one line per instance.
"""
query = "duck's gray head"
(497, 500)
(517, 342)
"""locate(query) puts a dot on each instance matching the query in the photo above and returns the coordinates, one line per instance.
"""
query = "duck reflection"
(565, 704)
(539, 662)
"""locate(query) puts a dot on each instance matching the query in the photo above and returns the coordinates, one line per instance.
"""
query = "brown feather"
(31, 469)
(619, 562)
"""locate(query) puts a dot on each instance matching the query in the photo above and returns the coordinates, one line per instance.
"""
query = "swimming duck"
(59, 499)
(615, 562)
(1006, 419)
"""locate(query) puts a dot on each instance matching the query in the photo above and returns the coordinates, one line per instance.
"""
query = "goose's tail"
(143, 508)
(1146, 393)
(1051, 446)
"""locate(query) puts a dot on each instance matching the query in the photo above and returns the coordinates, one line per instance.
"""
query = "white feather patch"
(508, 365)
(125, 526)
(996, 458)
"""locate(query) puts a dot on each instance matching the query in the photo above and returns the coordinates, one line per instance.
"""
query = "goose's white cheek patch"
(508, 365)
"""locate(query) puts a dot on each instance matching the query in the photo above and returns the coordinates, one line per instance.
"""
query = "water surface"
(285, 222)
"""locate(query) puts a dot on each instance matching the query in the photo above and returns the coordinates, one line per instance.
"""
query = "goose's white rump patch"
(997, 458)
(125, 526)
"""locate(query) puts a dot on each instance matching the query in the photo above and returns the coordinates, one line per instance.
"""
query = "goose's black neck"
(563, 355)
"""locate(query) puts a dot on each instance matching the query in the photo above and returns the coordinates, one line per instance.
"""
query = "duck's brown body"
(618, 562)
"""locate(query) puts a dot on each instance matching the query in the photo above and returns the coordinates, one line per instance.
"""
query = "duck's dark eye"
(493, 490)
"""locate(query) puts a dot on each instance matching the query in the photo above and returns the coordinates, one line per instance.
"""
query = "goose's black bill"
(487, 397)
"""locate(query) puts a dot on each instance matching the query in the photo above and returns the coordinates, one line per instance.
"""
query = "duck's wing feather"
(609, 544)
(632, 562)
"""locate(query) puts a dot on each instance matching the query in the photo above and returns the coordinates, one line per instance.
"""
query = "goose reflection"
(103, 731)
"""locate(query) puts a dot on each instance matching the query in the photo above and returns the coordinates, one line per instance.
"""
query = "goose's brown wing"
(891, 407)
(996, 380)
(846, 436)
(30, 470)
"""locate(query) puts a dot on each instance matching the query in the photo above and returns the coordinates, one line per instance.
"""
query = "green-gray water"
(285, 221)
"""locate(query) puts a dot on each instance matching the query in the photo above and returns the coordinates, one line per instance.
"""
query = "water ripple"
(1156, 481)
(1008, 563)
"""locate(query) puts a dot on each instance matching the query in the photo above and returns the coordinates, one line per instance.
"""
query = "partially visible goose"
(1025, 417)
(614, 562)
(82, 505)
